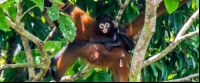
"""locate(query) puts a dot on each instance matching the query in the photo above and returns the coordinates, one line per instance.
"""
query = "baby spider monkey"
(115, 35)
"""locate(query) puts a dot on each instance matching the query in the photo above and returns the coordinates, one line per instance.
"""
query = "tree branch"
(184, 79)
(29, 57)
(26, 45)
(40, 44)
(36, 40)
(17, 65)
(75, 76)
(143, 42)
(122, 8)
(6, 12)
(50, 34)
(176, 42)
(27, 12)
(187, 25)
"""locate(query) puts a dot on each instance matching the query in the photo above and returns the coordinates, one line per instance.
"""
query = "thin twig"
(184, 79)
(187, 25)
(6, 12)
(66, 7)
(27, 11)
(122, 8)
(50, 34)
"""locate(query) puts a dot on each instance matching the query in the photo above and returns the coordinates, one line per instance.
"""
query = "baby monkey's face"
(104, 27)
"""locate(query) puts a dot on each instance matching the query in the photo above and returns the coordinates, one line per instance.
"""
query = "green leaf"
(12, 12)
(17, 1)
(197, 3)
(146, 74)
(53, 13)
(56, 2)
(104, 77)
(39, 3)
(158, 65)
(184, 71)
(7, 4)
(67, 26)
(155, 72)
(56, 45)
(3, 23)
(21, 56)
(171, 5)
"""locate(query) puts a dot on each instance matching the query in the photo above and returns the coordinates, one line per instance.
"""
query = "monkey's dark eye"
(107, 25)
(101, 26)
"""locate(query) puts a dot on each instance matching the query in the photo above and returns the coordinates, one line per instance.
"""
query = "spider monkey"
(115, 35)
(94, 53)
(99, 55)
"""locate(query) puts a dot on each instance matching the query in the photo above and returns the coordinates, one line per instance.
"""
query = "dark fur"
(114, 34)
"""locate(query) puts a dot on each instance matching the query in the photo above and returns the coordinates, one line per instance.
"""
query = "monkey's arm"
(101, 40)
(128, 42)
(111, 44)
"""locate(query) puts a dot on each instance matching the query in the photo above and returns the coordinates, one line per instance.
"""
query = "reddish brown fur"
(84, 23)
(137, 24)
(98, 57)
(96, 54)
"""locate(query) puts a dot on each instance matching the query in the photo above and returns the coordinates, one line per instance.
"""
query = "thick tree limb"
(29, 57)
(143, 42)
(178, 39)
(184, 79)
(31, 37)
(5, 66)
(26, 45)
(40, 44)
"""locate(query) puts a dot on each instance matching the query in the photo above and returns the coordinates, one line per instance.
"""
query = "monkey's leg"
(120, 74)
(120, 69)
(65, 61)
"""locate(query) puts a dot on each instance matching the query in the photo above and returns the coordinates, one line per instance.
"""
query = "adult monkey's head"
(105, 24)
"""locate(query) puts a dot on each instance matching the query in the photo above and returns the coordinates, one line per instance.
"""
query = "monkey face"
(104, 27)
(104, 24)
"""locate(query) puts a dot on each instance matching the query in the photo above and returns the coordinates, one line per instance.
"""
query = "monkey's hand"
(108, 45)
(92, 40)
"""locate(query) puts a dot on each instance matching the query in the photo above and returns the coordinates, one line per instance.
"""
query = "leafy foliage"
(3, 24)
(67, 26)
(181, 62)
